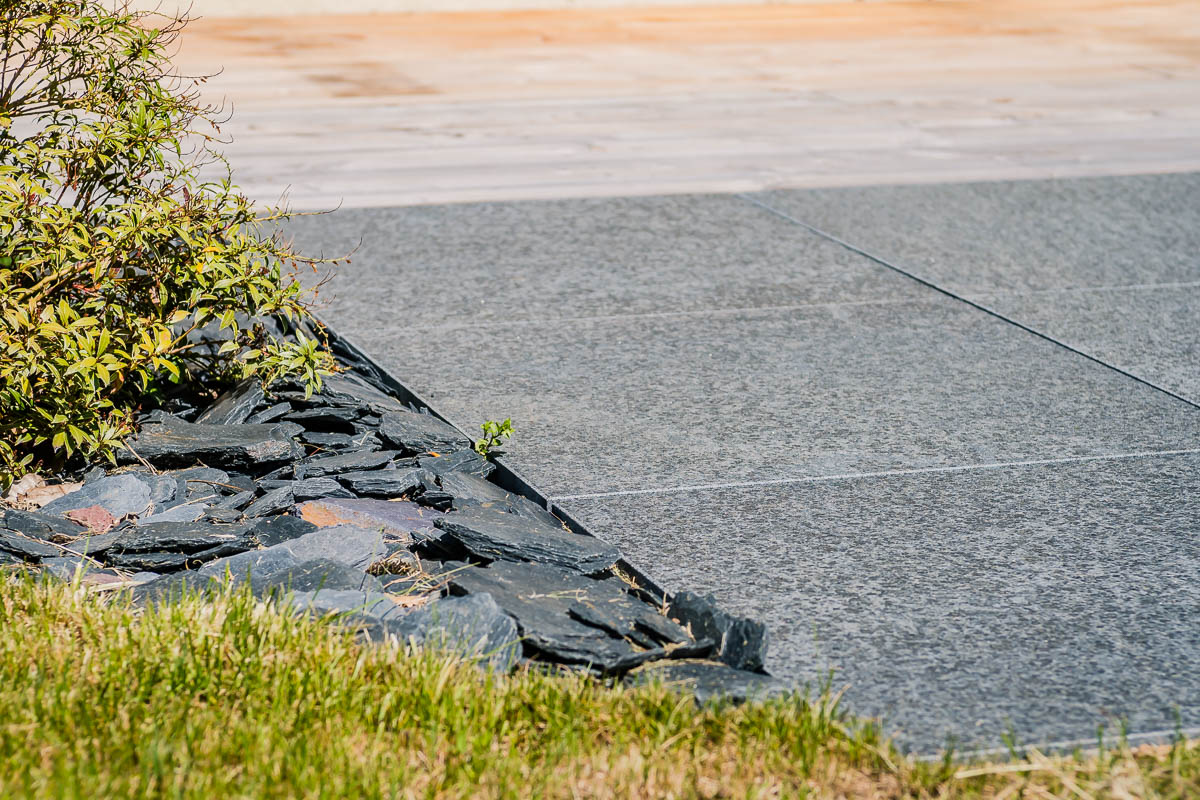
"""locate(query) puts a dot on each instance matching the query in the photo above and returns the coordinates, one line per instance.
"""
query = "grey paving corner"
(976, 527)
(1108, 265)
(1047, 598)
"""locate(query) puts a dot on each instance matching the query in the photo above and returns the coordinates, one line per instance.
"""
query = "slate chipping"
(229, 496)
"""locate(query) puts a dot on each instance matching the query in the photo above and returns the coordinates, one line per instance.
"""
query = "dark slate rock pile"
(350, 502)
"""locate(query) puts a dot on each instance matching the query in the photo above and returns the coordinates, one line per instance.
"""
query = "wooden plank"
(415, 108)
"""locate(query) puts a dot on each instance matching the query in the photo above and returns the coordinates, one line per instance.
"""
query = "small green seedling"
(493, 435)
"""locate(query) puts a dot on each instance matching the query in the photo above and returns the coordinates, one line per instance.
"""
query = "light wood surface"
(286, 8)
(368, 110)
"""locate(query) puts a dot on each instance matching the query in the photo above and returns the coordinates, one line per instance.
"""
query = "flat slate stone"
(220, 551)
(468, 491)
(187, 512)
(420, 433)
(94, 474)
(740, 642)
(218, 514)
(492, 535)
(708, 680)
(239, 500)
(172, 442)
(204, 477)
(66, 568)
(95, 518)
(235, 406)
(344, 462)
(26, 548)
(183, 537)
(395, 518)
(198, 483)
(466, 462)
(157, 562)
(270, 413)
(540, 599)
(49, 527)
(356, 606)
(97, 544)
(524, 507)
(629, 618)
(327, 418)
(384, 482)
(272, 502)
(119, 495)
(285, 429)
(163, 488)
(1048, 598)
(473, 627)
(351, 545)
(253, 565)
(170, 561)
(281, 528)
(349, 388)
(339, 441)
(314, 488)
(321, 573)
(157, 587)
(275, 478)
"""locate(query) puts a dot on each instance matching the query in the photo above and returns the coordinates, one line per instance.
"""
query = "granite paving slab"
(647, 402)
(1152, 331)
(510, 263)
(1050, 598)
(1110, 266)
(965, 514)
(1016, 236)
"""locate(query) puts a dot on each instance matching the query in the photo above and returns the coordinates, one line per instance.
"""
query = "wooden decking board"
(448, 107)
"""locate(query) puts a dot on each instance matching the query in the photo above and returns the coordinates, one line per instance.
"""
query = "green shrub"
(113, 251)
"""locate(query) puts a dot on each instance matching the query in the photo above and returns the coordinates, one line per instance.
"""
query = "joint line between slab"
(890, 473)
(926, 282)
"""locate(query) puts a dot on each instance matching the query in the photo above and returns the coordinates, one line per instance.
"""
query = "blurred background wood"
(391, 109)
(283, 8)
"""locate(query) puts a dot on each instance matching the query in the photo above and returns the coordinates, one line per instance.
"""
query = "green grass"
(227, 698)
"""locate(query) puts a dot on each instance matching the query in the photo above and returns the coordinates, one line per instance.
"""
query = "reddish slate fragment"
(396, 517)
(95, 518)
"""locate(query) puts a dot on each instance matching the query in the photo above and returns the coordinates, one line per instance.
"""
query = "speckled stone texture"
(475, 265)
(1015, 236)
(1152, 332)
(606, 405)
(1051, 598)
(685, 343)
(1039, 251)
